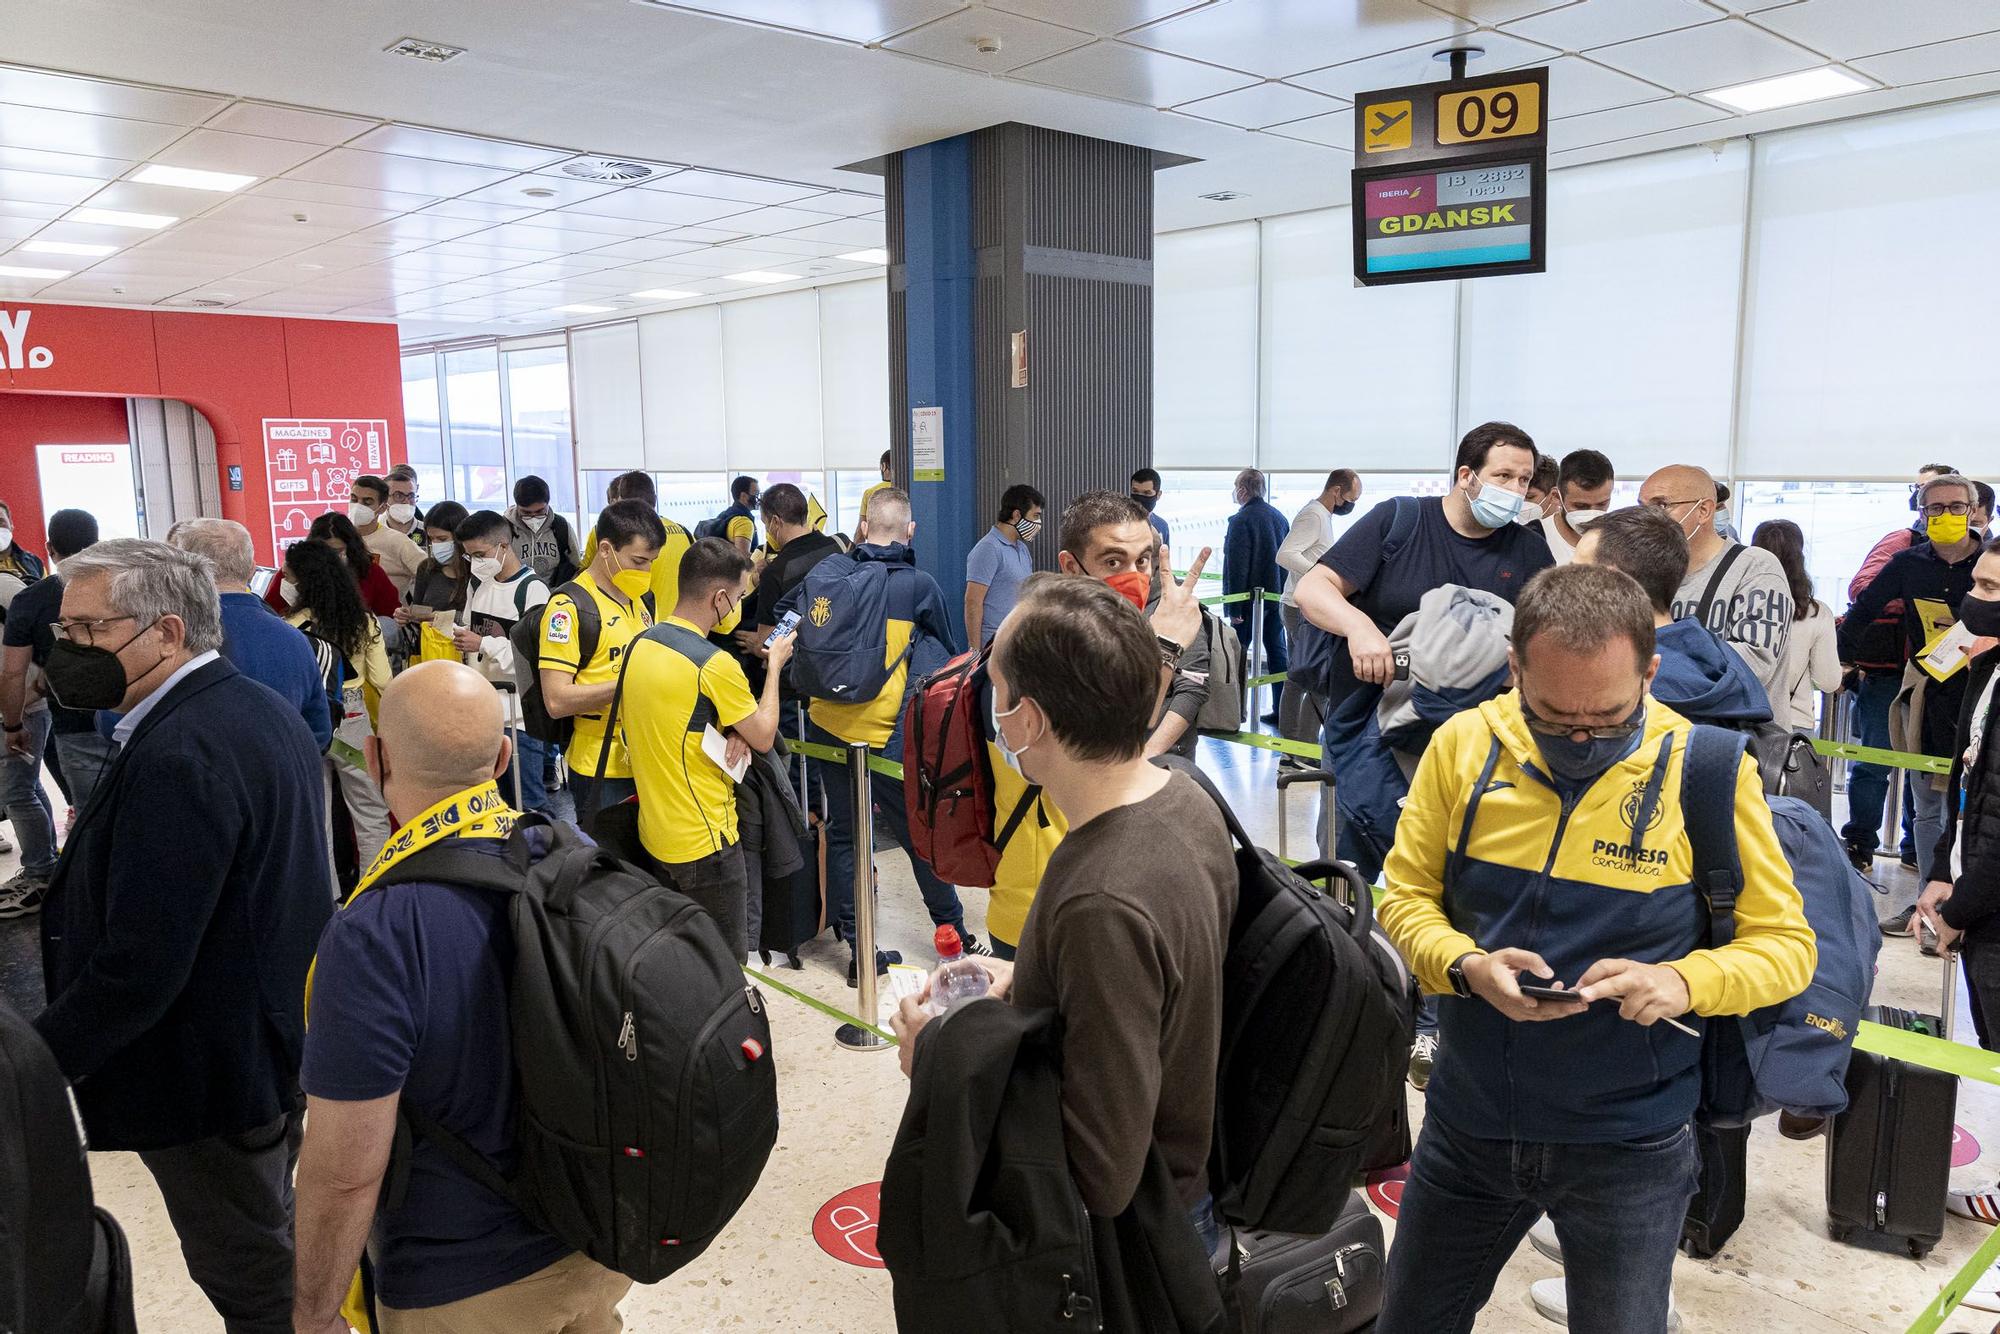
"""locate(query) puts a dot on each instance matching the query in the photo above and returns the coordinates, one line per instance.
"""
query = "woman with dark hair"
(378, 592)
(440, 581)
(1811, 661)
(327, 606)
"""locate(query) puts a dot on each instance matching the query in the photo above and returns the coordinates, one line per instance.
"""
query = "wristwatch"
(1459, 986)
(1170, 652)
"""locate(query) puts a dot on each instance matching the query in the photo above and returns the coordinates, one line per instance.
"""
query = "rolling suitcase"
(1274, 1283)
(1888, 1163)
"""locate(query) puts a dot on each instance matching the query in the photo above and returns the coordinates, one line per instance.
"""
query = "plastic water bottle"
(957, 978)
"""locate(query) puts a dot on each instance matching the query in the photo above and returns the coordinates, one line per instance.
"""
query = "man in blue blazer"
(1250, 562)
(183, 916)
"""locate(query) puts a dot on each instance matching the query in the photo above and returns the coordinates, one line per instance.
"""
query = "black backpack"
(526, 637)
(64, 1266)
(648, 1093)
(1318, 1017)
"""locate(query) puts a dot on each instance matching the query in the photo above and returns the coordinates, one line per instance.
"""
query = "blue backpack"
(1313, 648)
(1791, 1056)
(843, 645)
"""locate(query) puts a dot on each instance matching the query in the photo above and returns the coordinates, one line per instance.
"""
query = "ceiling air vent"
(609, 170)
(416, 48)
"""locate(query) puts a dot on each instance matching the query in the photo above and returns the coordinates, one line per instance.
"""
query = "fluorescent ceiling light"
(17, 271)
(762, 276)
(585, 310)
(1788, 90)
(68, 248)
(664, 294)
(867, 256)
(111, 217)
(187, 178)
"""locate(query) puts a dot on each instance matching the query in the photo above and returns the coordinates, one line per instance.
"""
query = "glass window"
(422, 422)
(1842, 521)
(1197, 504)
(538, 422)
(472, 405)
(845, 506)
(690, 498)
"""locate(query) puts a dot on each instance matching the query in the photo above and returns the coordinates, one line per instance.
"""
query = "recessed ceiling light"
(1787, 90)
(584, 310)
(111, 217)
(539, 192)
(18, 271)
(67, 248)
(1224, 196)
(867, 256)
(187, 178)
(663, 294)
(417, 48)
(762, 276)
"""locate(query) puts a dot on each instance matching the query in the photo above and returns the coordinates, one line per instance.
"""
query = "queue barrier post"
(805, 790)
(856, 1037)
(1832, 727)
(1253, 653)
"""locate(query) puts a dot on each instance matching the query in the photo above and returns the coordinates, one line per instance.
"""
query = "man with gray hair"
(262, 645)
(1250, 565)
(182, 918)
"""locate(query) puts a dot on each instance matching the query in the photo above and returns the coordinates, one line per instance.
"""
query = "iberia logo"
(822, 612)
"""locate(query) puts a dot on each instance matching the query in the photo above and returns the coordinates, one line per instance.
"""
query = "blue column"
(942, 270)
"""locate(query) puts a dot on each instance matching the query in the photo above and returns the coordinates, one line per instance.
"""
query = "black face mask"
(1146, 503)
(1344, 508)
(84, 676)
(1980, 615)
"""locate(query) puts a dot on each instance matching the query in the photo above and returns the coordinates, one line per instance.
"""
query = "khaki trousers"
(572, 1296)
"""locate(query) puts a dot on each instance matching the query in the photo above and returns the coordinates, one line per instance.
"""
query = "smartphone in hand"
(786, 624)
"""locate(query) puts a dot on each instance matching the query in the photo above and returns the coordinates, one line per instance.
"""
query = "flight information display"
(1453, 219)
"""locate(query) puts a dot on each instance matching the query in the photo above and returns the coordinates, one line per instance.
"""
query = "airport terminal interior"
(500, 300)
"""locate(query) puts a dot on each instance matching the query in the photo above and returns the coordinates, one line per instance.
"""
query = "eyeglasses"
(85, 632)
(1661, 503)
(1941, 509)
(1611, 732)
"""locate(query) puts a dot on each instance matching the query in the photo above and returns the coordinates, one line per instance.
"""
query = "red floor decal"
(845, 1226)
(1385, 1189)
(1964, 1148)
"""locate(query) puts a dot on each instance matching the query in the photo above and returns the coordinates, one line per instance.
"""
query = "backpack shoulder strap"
(1402, 525)
(1709, 767)
(1031, 799)
(1728, 559)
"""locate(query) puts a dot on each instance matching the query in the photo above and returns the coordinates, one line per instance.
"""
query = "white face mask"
(534, 521)
(360, 515)
(402, 513)
(1007, 753)
(1582, 519)
(289, 591)
(6, 539)
(1531, 514)
(484, 567)
(442, 552)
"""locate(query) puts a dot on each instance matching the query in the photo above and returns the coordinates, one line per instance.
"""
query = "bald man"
(1737, 591)
(409, 1001)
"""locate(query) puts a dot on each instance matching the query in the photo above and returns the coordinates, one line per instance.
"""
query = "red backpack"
(948, 778)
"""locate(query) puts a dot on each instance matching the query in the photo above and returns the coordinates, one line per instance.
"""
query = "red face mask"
(1132, 585)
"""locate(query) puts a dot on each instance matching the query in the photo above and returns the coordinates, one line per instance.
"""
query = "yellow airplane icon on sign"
(1388, 127)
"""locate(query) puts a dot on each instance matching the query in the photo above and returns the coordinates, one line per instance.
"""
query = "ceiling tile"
(473, 210)
(1845, 29)
(63, 164)
(21, 289)
(1582, 26)
(92, 136)
(841, 202)
(1578, 86)
(313, 192)
(1603, 127)
(244, 154)
(1133, 74)
(472, 150)
(1945, 60)
(1263, 104)
(954, 39)
(726, 185)
(27, 208)
(294, 303)
(787, 245)
(1098, 16)
(588, 228)
(1280, 37)
(662, 208)
(528, 236)
(1497, 11)
(1335, 129)
(132, 197)
(849, 20)
(287, 212)
(701, 235)
(855, 233)
(1714, 55)
(19, 229)
(562, 190)
(294, 123)
(37, 187)
(383, 171)
(499, 256)
(1417, 64)
(104, 97)
(89, 287)
(768, 221)
(427, 228)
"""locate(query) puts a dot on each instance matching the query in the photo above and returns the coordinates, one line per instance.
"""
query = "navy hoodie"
(1705, 680)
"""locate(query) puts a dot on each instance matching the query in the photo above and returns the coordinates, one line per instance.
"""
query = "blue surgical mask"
(1495, 506)
(1007, 753)
(1572, 761)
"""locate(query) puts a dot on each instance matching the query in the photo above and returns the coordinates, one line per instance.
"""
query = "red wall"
(236, 369)
(27, 420)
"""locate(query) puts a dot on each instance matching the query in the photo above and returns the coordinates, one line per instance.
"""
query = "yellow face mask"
(634, 584)
(1946, 530)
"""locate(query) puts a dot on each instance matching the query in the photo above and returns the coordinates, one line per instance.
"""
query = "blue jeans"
(592, 793)
(534, 793)
(1617, 1209)
(86, 757)
(25, 802)
(940, 899)
(1868, 784)
(1203, 1218)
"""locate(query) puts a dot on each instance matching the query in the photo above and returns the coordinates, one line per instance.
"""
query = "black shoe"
(1899, 925)
(1271, 719)
(971, 945)
(1908, 861)
(1862, 859)
(883, 958)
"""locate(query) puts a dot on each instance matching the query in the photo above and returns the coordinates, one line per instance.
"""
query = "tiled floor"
(840, 1110)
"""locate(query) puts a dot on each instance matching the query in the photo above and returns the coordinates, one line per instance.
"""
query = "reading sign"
(1449, 178)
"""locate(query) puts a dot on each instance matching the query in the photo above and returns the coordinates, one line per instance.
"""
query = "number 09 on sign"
(1510, 111)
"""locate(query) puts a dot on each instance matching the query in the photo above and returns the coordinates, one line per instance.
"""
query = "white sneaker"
(1423, 1056)
(1551, 1298)
(22, 896)
(1981, 1206)
(1543, 1237)
(1985, 1294)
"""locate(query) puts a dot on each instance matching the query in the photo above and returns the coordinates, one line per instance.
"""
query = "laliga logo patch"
(822, 612)
(15, 354)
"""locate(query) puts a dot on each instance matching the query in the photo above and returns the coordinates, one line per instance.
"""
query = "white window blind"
(1870, 346)
(1351, 377)
(1205, 346)
(770, 382)
(604, 375)
(680, 370)
(854, 372)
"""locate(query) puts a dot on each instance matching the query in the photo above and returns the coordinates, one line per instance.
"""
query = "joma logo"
(15, 354)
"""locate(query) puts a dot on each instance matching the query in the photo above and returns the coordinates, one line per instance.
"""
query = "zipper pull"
(755, 998)
(628, 1038)
(1075, 1303)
